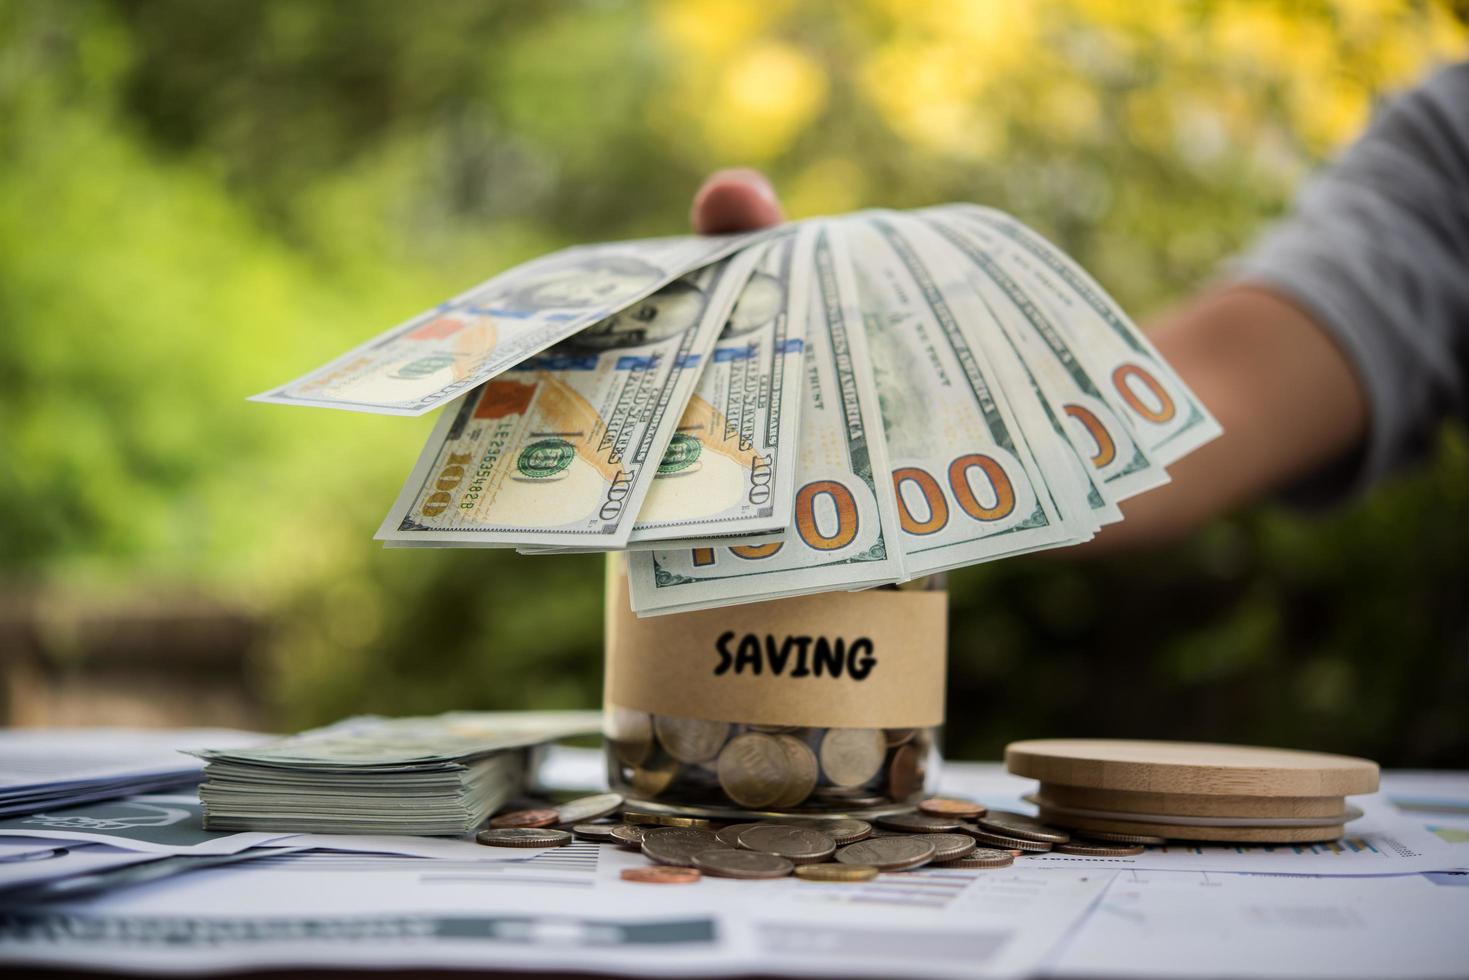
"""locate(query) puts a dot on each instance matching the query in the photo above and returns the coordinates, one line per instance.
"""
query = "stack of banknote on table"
(837, 403)
(434, 775)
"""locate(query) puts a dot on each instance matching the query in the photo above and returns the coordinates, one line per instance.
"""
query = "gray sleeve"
(1377, 251)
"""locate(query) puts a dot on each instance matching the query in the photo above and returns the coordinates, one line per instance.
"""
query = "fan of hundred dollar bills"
(832, 404)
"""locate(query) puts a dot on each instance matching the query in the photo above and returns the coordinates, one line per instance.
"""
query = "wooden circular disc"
(1193, 768)
(1243, 835)
(1191, 805)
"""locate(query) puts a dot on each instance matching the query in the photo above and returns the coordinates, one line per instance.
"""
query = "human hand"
(735, 200)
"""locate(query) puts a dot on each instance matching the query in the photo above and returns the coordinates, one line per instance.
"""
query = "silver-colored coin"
(690, 739)
(729, 862)
(913, 822)
(852, 756)
(951, 847)
(1004, 840)
(797, 844)
(730, 836)
(601, 833)
(754, 770)
(676, 845)
(889, 853)
(1098, 848)
(628, 836)
(1013, 824)
(630, 734)
(801, 772)
(588, 808)
(523, 837)
(983, 857)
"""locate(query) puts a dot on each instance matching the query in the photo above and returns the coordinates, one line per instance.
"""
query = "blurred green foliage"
(199, 201)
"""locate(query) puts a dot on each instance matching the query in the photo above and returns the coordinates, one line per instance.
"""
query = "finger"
(735, 200)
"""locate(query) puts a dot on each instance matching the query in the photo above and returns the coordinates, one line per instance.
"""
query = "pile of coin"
(721, 766)
(940, 832)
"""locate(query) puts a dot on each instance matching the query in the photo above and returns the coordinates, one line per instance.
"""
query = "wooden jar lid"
(1192, 768)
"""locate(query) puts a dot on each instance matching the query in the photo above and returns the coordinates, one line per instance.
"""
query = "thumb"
(735, 200)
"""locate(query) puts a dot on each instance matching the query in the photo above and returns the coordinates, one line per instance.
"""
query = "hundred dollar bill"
(730, 468)
(561, 450)
(444, 352)
(1167, 418)
(845, 523)
(968, 486)
(1098, 434)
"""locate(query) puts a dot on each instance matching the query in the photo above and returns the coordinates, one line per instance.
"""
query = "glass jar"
(824, 704)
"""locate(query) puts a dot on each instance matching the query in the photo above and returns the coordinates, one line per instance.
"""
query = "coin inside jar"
(630, 733)
(852, 756)
(1020, 825)
(905, 773)
(676, 845)
(889, 853)
(753, 770)
(649, 781)
(690, 739)
(796, 844)
(801, 772)
(728, 862)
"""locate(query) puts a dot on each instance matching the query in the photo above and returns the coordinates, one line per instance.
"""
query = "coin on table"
(628, 836)
(588, 808)
(730, 862)
(641, 819)
(951, 847)
(676, 845)
(1113, 837)
(661, 874)
(913, 822)
(1019, 825)
(801, 772)
(690, 739)
(649, 781)
(836, 872)
(730, 836)
(889, 853)
(982, 857)
(1004, 840)
(948, 806)
(797, 844)
(905, 773)
(837, 797)
(600, 833)
(523, 837)
(754, 769)
(630, 734)
(842, 830)
(541, 817)
(1097, 848)
(852, 756)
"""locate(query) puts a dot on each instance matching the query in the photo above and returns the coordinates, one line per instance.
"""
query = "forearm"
(1285, 394)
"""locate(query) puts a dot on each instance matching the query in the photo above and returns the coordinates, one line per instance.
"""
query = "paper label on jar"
(873, 659)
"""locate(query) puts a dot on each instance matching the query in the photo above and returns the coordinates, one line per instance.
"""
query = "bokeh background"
(198, 201)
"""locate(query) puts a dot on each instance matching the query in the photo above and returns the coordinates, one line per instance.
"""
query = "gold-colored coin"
(801, 772)
(983, 857)
(690, 739)
(836, 872)
(629, 732)
(852, 756)
(1097, 848)
(642, 819)
(905, 773)
(649, 781)
(754, 770)
(1147, 840)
